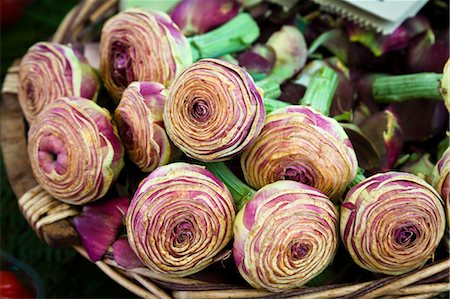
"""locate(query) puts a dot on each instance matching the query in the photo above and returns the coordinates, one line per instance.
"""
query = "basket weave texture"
(50, 218)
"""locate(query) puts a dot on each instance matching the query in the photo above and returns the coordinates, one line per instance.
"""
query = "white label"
(391, 10)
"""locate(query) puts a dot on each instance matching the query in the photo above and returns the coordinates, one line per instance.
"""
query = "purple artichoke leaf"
(335, 41)
(363, 87)
(344, 97)
(433, 119)
(291, 92)
(124, 255)
(428, 52)
(360, 113)
(99, 223)
(283, 12)
(381, 44)
(198, 16)
(258, 11)
(366, 153)
(384, 131)
(258, 60)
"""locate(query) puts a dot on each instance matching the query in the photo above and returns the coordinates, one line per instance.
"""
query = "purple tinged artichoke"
(179, 219)
(75, 150)
(213, 111)
(290, 51)
(286, 235)
(258, 60)
(139, 117)
(199, 16)
(300, 144)
(49, 71)
(392, 222)
(141, 45)
(99, 223)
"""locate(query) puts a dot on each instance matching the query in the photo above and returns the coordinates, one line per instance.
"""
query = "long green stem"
(235, 35)
(388, 89)
(241, 192)
(320, 91)
(358, 178)
(271, 105)
(270, 88)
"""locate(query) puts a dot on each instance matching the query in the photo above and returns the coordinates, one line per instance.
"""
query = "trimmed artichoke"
(49, 71)
(75, 150)
(392, 222)
(213, 111)
(141, 45)
(297, 143)
(140, 123)
(199, 16)
(286, 235)
(179, 219)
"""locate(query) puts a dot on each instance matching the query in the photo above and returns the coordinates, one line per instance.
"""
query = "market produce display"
(339, 132)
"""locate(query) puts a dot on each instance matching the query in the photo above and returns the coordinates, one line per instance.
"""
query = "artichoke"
(180, 217)
(290, 51)
(141, 45)
(75, 151)
(286, 235)
(199, 16)
(213, 111)
(297, 143)
(49, 71)
(392, 222)
(140, 123)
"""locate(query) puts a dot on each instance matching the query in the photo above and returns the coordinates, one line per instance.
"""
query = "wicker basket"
(50, 218)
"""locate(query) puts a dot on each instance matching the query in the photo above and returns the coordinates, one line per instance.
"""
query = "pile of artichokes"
(242, 125)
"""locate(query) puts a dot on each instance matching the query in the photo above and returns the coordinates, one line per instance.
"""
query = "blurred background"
(64, 273)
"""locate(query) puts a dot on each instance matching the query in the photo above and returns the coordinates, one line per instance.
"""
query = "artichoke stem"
(320, 91)
(271, 104)
(358, 178)
(388, 89)
(240, 192)
(235, 35)
(270, 87)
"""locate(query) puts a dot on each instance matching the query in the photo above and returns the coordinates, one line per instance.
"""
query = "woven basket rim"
(141, 281)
